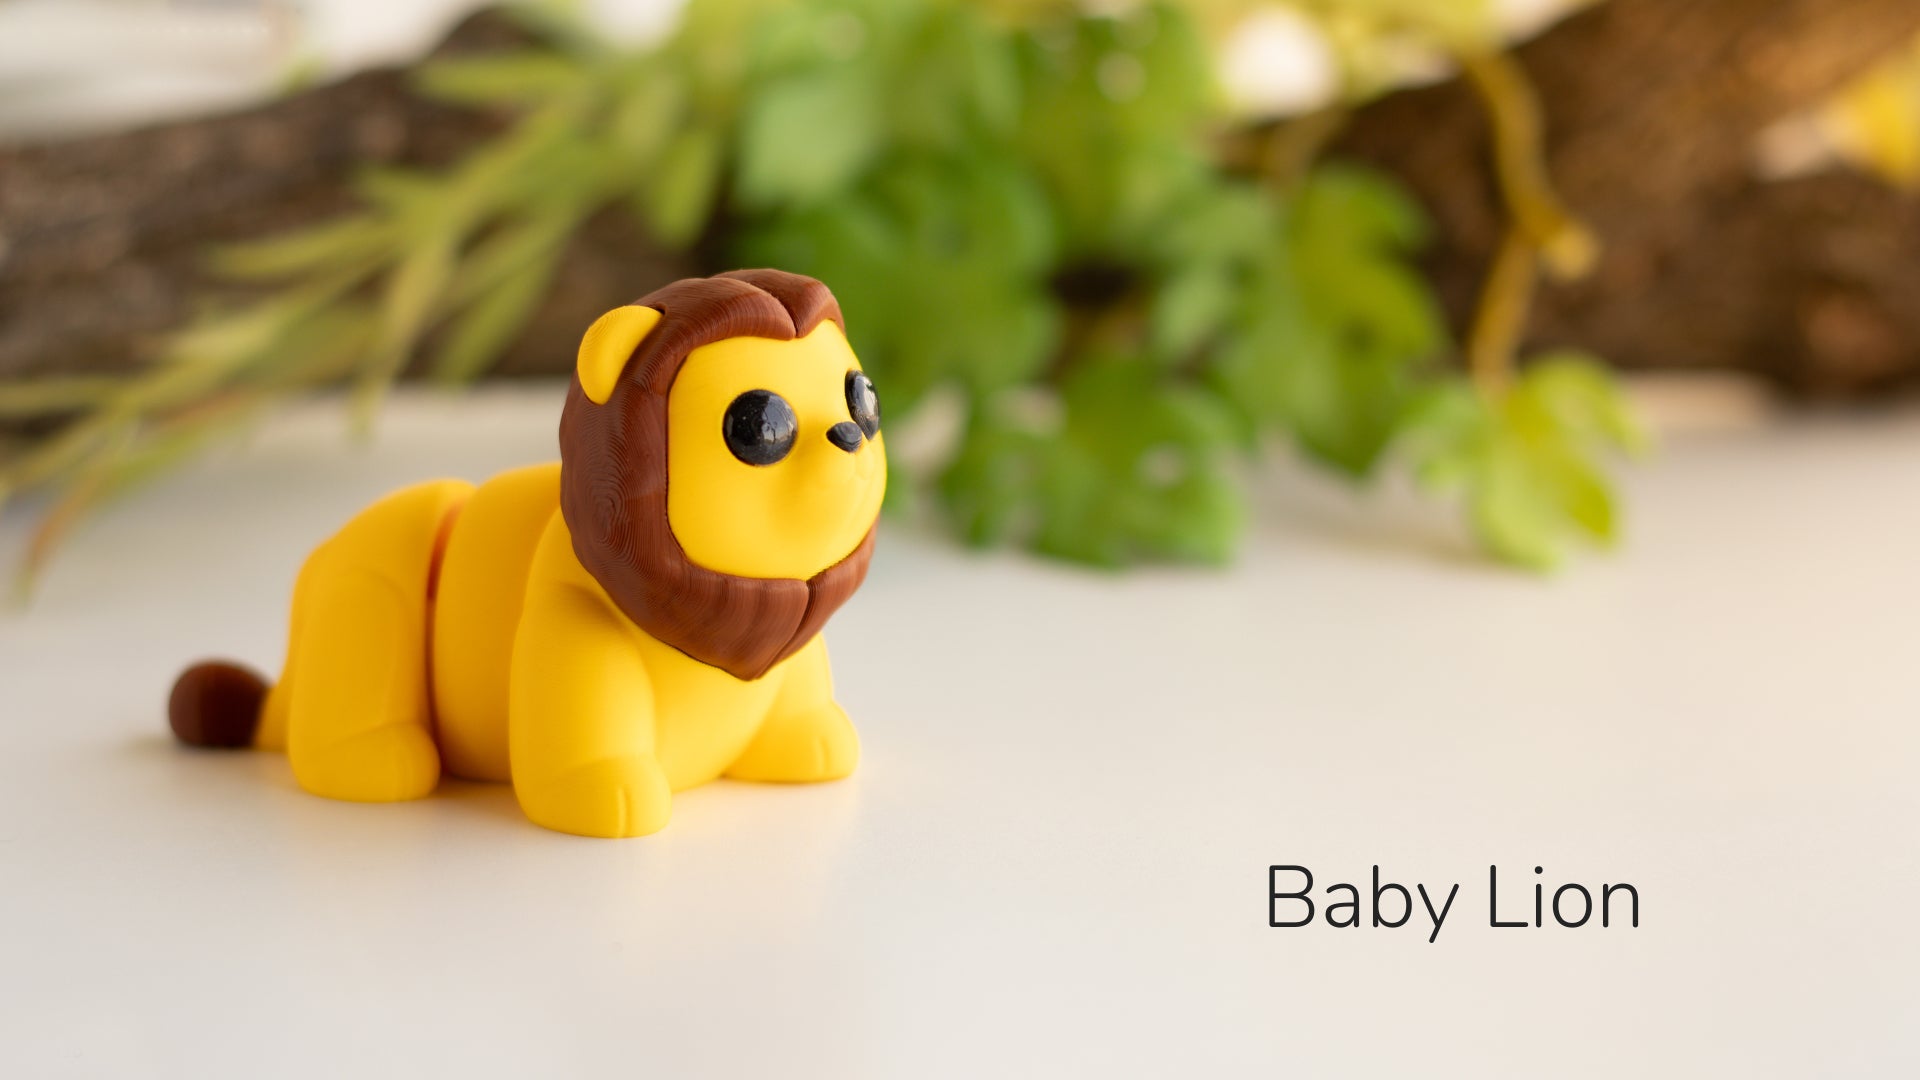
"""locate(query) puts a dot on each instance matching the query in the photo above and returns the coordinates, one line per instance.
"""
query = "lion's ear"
(608, 345)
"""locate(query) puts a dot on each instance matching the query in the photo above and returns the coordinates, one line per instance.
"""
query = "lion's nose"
(845, 435)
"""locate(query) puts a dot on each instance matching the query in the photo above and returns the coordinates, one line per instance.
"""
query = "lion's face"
(720, 465)
(774, 462)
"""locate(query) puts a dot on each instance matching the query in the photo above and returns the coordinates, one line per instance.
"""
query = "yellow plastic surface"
(606, 723)
(449, 625)
(797, 516)
(483, 581)
(608, 343)
(358, 722)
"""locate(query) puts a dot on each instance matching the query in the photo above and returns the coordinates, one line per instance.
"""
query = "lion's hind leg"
(359, 719)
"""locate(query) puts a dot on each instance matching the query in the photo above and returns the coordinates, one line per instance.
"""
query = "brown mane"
(613, 484)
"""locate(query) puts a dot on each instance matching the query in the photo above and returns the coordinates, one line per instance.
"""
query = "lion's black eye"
(863, 404)
(760, 427)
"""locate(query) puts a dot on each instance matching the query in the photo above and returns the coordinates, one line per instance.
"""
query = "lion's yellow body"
(452, 627)
(372, 704)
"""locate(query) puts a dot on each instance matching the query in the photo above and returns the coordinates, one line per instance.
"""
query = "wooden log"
(103, 240)
(1653, 110)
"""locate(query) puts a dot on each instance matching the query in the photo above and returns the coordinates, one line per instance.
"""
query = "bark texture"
(1652, 111)
(103, 240)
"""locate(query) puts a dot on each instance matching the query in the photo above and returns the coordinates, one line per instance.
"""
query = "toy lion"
(637, 619)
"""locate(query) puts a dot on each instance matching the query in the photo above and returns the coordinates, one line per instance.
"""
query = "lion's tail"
(215, 703)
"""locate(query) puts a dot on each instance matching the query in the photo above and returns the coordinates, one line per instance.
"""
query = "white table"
(1053, 861)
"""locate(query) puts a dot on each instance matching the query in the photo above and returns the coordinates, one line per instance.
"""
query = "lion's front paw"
(614, 797)
(817, 746)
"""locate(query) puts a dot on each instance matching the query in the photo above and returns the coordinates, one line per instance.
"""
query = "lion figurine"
(639, 618)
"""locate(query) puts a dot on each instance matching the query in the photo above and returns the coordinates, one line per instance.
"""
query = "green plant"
(1031, 214)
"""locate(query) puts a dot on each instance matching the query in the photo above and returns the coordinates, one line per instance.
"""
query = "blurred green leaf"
(336, 245)
(400, 194)
(1139, 469)
(418, 283)
(804, 138)
(1336, 330)
(680, 194)
(513, 79)
(477, 339)
(1583, 397)
(1192, 306)
(988, 487)
(55, 394)
(650, 105)
(1527, 464)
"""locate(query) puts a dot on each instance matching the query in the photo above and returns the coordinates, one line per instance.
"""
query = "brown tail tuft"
(216, 704)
